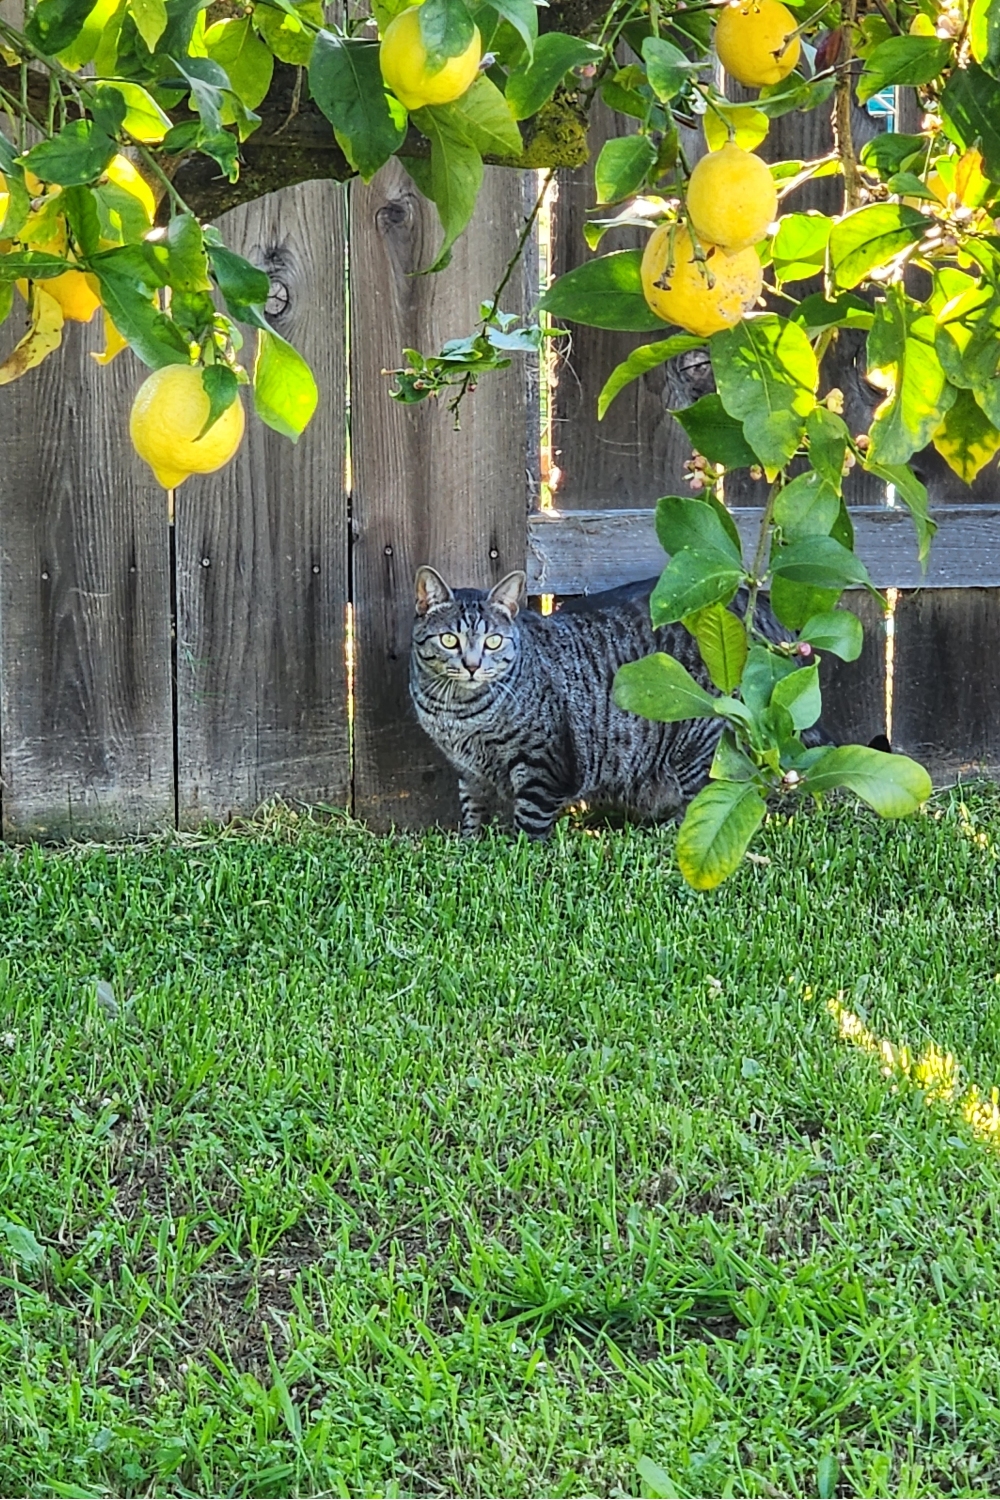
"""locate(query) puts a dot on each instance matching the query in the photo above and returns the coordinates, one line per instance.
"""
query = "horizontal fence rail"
(585, 551)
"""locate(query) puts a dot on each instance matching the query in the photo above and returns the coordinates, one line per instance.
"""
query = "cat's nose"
(472, 667)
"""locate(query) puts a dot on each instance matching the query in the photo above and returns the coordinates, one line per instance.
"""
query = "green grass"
(414, 1167)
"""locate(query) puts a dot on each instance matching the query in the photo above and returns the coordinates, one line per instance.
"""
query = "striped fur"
(521, 703)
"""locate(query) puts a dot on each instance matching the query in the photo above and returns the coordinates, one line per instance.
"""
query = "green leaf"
(346, 82)
(19, 200)
(870, 237)
(667, 67)
(523, 16)
(6, 300)
(716, 832)
(87, 40)
(828, 1469)
(446, 30)
(970, 106)
(722, 644)
(902, 358)
(76, 155)
(144, 120)
(984, 34)
(914, 496)
(729, 763)
(453, 183)
(798, 250)
(763, 671)
(749, 125)
(80, 207)
(21, 1245)
(766, 374)
(820, 561)
(893, 785)
(682, 521)
(966, 439)
(55, 23)
(221, 388)
(693, 579)
(188, 264)
(647, 357)
(799, 695)
(155, 338)
(836, 630)
(605, 292)
(658, 687)
(248, 64)
(828, 437)
(903, 60)
(290, 36)
(715, 434)
(150, 18)
(657, 1483)
(815, 314)
(808, 505)
(284, 390)
(794, 603)
(481, 117)
(207, 83)
(36, 265)
(888, 153)
(622, 166)
(244, 286)
(529, 87)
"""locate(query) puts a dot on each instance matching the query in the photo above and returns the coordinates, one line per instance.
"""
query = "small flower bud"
(835, 401)
(863, 441)
(756, 472)
(791, 778)
(804, 648)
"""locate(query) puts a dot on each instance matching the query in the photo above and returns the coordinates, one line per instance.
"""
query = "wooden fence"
(159, 670)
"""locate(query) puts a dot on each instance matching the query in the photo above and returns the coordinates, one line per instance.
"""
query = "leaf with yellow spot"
(44, 335)
(966, 439)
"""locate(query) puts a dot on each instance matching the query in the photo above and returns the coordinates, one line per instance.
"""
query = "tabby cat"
(521, 703)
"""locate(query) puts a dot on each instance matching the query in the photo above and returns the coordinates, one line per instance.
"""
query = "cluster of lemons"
(705, 275)
(170, 411)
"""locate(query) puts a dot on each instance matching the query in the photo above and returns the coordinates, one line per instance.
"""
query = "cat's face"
(466, 638)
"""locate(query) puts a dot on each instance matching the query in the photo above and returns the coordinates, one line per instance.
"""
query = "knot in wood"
(278, 297)
(396, 214)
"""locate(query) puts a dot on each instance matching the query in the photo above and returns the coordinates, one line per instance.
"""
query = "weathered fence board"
(262, 552)
(86, 734)
(946, 682)
(422, 493)
(583, 552)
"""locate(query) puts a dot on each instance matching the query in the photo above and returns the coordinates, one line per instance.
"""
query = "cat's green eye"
(449, 641)
(493, 642)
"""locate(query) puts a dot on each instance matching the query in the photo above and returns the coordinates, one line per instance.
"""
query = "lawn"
(411, 1167)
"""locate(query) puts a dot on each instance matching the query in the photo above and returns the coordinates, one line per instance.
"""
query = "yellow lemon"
(752, 41)
(403, 59)
(168, 413)
(124, 175)
(702, 297)
(731, 198)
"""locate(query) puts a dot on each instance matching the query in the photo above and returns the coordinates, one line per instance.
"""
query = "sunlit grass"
(337, 1165)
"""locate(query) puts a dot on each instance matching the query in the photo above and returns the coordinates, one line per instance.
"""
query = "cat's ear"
(507, 593)
(431, 589)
